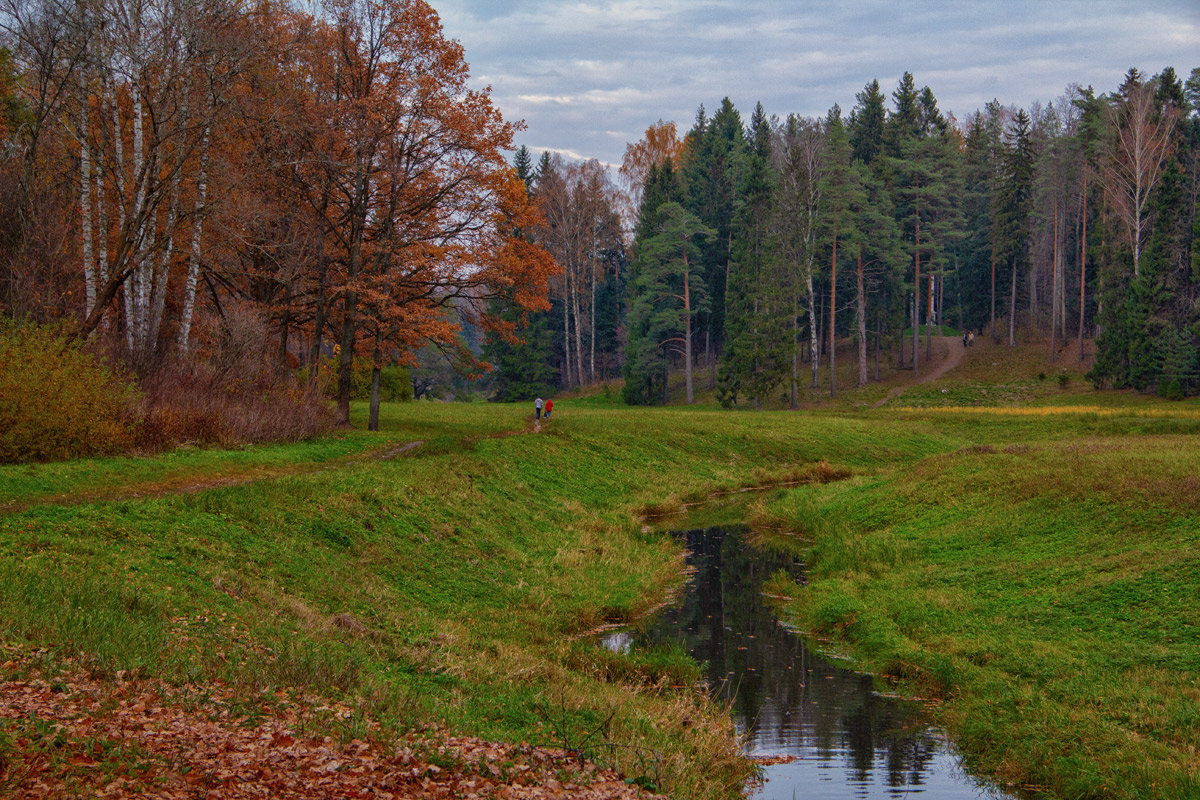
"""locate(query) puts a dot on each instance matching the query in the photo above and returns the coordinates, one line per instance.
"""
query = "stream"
(834, 734)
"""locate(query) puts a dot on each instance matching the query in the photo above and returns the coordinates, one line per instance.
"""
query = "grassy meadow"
(1035, 570)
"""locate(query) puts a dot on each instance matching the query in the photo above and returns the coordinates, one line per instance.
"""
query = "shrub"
(1171, 390)
(202, 404)
(57, 400)
(233, 396)
(395, 384)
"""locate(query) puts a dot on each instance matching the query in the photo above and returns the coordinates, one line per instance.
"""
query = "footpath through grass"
(1043, 582)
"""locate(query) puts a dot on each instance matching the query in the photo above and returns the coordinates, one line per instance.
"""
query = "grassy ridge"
(1047, 590)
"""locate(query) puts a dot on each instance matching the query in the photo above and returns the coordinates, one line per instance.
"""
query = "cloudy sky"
(587, 76)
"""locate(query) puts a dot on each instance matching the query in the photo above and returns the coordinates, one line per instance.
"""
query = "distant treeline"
(757, 244)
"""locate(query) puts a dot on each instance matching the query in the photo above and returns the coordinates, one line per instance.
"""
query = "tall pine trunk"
(916, 341)
(1082, 260)
(687, 319)
(861, 319)
(832, 315)
(929, 319)
(1054, 287)
(1012, 307)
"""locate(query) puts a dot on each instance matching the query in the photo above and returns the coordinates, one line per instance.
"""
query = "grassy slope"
(442, 585)
(1043, 581)
(1036, 569)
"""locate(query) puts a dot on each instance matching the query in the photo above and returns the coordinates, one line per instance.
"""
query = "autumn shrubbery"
(233, 396)
(56, 399)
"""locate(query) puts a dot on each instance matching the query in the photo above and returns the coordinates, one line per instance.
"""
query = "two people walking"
(539, 406)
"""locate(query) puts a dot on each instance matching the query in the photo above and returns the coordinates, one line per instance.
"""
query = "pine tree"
(843, 199)
(666, 295)
(1011, 210)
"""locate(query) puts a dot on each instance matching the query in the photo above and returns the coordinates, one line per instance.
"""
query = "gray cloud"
(589, 75)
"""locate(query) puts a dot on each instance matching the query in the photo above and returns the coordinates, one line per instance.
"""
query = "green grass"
(444, 585)
(1036, 570)
(1046, 591)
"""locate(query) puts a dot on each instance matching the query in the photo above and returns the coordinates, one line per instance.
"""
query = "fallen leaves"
(77, 735)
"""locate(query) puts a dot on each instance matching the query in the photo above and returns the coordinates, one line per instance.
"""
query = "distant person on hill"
(537, 408)
(549, 408)
(965, 339)
(970, 338)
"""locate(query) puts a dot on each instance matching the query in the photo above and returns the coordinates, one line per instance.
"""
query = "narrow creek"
(832, 734)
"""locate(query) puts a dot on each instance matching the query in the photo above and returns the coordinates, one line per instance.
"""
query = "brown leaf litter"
(72, 735)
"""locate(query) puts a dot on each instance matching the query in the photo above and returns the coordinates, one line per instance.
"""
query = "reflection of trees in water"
(788, 697)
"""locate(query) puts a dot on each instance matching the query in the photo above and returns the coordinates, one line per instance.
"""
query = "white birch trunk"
(193, 273)
(138, 277)
(85, 210)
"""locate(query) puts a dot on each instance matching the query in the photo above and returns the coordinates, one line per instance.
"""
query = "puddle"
(833, 734)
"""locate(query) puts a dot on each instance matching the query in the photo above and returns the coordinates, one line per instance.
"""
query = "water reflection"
(842, 738)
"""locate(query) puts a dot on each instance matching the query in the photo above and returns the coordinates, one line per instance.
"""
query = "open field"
(1035, 570)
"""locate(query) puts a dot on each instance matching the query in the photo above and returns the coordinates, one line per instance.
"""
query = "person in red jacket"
(549, 408)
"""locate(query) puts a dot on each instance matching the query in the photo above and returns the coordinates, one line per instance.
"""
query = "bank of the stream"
(1048, 592)
(445, 585)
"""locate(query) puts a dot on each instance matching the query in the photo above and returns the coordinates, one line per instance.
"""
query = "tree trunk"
(861, 319)
(136, 278)
(993, 286)
(119, 172)
(285, 324)
(101, 239)
(85, 206)
(814, 342)
(1082, 260)
(193, 273)
(578, 331)
(592, 313)
(1054, 284)
(163, 273)
(569, 377)
(1012, 307)
(376, 369)
(929, 320)
(687, 319)
(358, 211)
(795, 399)
(832, 315)
(916, 359)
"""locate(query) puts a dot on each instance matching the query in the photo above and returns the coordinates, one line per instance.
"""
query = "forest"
(758, 244)
(193, 186)
(216, 195)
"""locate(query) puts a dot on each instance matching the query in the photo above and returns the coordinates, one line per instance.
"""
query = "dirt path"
(954, 356)
(193, 484)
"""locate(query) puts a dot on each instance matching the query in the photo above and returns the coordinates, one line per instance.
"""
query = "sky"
(588, 76)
